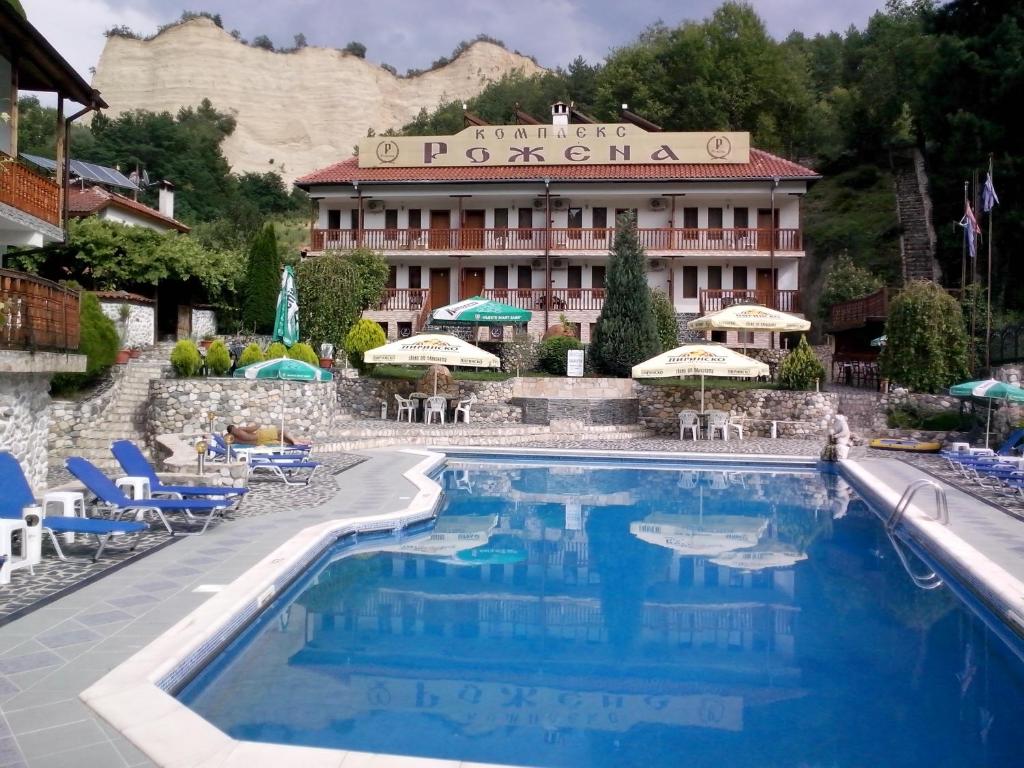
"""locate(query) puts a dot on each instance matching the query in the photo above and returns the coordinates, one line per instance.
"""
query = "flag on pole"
(971, 229)
(989, 198)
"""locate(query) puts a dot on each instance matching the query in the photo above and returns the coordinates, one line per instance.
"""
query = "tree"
(373, 272)
(844, 281)
(665, 318)
(926, 344)
(264, 42)
(626, 332)
(355, 49)
(361, 338)
(300, 41)
(335, 288)
(262, 280)
(801, 368)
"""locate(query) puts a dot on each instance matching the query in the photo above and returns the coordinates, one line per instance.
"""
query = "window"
(741, 218)
(718, 336)
(501, 218)
(525, 277)
(391, 223)
(525, 224)
(354, 219)
(689, 282)
(415, 277)
(739, 278)
(597, 278)
(600, 222)
(690, 218)
(500, 276)
(415, 222)
(575, 223)
(715, 278)
(715, 223)
(333, 219)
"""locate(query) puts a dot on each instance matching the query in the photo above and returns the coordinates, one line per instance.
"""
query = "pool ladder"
(929, 580)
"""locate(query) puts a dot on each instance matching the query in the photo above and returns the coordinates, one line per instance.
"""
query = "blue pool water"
(570, 616)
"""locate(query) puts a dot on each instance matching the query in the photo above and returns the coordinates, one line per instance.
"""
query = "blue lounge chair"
(135, 464)
(1010, 444)
(282, 467)
(217, 446)
(17, 494)
(109, 494)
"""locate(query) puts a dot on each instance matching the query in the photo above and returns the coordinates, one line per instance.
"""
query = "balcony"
(538, 240)
(856, 313)
(562, 299)
(712, 300)
(27, 191)
(36, 314)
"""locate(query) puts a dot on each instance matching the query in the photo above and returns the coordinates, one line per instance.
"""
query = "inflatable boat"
(904, 444)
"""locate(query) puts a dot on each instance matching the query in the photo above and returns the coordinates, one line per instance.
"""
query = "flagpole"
(963, 256)
(988, 311)
(974, 282)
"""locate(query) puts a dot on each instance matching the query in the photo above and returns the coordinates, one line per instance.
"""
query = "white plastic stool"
(134, 487)
(7, 530)
(72, 504)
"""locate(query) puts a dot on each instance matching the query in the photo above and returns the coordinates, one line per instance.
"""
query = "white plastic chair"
(688, 420)
(737, 425)
(405, 405)
(435, 405)
(718, 420)
(463, 408)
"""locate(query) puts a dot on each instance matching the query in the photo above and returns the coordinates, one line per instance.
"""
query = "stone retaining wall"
(69, 418)
(362, 398)
(310, 409)
(660, 406)
(25, 422)
(539, 410)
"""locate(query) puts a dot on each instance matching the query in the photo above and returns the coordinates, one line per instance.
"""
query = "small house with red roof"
(96, 201)
(526, 214)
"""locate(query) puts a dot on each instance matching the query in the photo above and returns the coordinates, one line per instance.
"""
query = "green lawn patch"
(709, 383)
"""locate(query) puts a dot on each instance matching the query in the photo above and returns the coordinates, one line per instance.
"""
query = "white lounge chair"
(436, 405)
(718, 420)
(405, 405)
(463, 408)
(688, 420)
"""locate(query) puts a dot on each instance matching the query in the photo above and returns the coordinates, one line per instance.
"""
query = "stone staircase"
(914, 211)
(123, 417)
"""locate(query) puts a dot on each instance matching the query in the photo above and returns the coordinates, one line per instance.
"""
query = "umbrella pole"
(435, 382)
(702, 393)
(988, 422)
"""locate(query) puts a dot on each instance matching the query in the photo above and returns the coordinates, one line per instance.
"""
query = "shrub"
(98, 341)
(926, 343)
(304, 352)
(364, 336)
(665, 319)
(625, 333)
(262, 281)
(185, 358)
(251, 354)
(218, 359)
(335, 288)
(551, 354)
(275, 350)
(844, 281)
(801, 368)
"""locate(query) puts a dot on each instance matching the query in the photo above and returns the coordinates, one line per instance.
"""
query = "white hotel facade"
(526, 214)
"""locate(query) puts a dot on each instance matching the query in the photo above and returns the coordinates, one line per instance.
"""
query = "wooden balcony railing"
(36, 314)
(572, 239)
(712, 300)
(562, 299)
(856, 312)
(404, 299)
(27, 191)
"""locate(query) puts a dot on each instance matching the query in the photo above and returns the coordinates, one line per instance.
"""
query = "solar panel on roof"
(100, 174)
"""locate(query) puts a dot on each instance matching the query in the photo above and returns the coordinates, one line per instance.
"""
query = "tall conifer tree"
(262, 281)
(626, 332)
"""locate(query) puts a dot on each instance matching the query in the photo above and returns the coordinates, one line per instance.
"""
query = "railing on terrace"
(574, 239)
(562, 299)
(36, 314)
(27, 191)
(712, 299)
(404, 299)
(856, 312)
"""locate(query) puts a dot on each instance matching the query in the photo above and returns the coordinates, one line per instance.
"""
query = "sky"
(413, 33)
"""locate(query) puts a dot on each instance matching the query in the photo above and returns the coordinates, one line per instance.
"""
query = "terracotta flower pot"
(135, 353)
(122, 356)
(326, 362)
(205, 343)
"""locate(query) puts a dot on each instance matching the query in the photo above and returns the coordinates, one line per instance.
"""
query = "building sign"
(574, 362)
(540, 145)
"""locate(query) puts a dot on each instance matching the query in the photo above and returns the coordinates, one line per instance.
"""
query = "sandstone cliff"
(296, 111)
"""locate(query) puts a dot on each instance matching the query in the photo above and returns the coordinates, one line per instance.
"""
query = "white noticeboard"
(574, 363)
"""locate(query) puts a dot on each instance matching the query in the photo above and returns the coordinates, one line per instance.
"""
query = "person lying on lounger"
(254, 434)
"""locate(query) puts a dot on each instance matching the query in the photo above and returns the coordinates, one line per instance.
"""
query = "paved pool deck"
(48, 657)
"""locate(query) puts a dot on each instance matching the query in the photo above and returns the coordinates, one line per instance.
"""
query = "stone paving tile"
(10, 755)
(10, 665)
(69, 636)
(101, 755)
(103, 617)
(47, 741)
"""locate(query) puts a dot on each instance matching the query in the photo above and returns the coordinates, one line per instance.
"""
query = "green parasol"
(988, 389)
(286, 321)
(283, 368)
(481, 311)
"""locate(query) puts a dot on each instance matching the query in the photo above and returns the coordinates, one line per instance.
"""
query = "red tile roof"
(762, 165)
(123, 296)
(91, 200)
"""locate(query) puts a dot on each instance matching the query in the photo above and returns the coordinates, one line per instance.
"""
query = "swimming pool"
(569, 615)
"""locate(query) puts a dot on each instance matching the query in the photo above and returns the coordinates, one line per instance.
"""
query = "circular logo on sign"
(387, 151)
(719, 147)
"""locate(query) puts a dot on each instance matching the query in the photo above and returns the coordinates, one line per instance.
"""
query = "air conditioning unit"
(375, 205)
(559, 264)
(537, 263)
(560, 204)
(538, 203)
(656, 265)
(657, 204)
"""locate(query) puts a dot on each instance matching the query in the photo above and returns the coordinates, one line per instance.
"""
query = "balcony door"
(472, 282)
(764, 286)
(440, 226)
(764, 227)
(440, 286)
(473, 230)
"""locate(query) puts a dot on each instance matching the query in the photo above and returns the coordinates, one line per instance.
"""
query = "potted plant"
(123, 313)
(135, 352)
(207, 340)
(326, 355)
